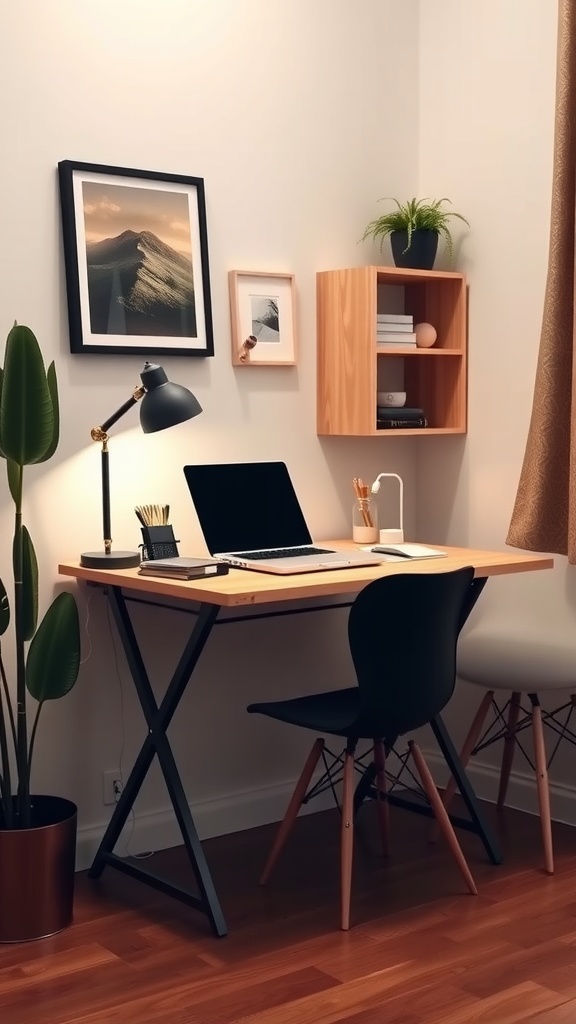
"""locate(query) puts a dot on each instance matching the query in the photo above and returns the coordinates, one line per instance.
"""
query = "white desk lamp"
(392, 535)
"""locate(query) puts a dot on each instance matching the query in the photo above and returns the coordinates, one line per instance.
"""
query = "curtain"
(544, 515)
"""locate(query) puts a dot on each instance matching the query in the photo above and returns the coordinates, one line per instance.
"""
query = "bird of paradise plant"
(46, 655)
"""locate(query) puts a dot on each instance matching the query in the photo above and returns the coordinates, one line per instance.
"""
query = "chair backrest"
(403, 633)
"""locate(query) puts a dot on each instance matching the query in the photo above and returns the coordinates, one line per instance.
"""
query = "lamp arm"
(101, 434)
(97, 432)
(376, 487)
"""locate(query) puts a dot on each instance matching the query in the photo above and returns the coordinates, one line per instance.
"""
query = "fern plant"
(47, 654)
(414, 215)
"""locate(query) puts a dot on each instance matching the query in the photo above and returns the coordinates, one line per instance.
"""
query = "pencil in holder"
(159, 542)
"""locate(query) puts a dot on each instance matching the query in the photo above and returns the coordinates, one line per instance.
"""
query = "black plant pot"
(422, 251)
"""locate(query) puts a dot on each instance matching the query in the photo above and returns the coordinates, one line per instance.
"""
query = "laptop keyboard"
(283, 553)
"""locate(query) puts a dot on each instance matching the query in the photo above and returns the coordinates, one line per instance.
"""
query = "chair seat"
(512, 662)
(333, 712)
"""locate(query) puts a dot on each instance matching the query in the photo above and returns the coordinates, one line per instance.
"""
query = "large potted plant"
(37, 832)
(414, 228)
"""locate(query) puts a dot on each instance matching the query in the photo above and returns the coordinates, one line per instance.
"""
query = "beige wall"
(299, 116)
(487, 80)
(293, 115)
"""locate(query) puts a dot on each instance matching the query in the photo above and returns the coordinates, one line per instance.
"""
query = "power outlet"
(111, 786)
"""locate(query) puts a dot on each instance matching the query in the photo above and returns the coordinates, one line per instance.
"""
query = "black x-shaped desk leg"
(158, 718)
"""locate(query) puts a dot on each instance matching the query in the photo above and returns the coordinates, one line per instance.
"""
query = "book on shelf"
(394, 338)
(396, 412)
(401, 423)
(394, 318)
(392, 328)
(182, 568)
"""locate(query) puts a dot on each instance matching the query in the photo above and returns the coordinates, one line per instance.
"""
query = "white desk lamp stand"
(392, 535)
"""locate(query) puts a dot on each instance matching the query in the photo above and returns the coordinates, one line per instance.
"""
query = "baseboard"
(521, 789)
(157, 830)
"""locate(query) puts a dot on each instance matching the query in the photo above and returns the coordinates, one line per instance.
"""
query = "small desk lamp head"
(163, 405)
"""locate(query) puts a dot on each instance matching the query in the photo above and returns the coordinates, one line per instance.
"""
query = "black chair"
(403, 632)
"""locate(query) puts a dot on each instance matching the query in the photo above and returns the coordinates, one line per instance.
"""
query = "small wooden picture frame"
(263, 318)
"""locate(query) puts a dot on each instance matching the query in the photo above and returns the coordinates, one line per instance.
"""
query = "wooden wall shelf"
(351, 366)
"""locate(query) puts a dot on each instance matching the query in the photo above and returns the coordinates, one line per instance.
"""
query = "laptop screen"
(247, 506)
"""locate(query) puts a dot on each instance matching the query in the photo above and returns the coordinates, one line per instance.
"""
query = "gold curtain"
(544, 516)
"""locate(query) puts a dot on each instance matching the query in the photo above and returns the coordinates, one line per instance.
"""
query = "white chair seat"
(510, 662)
(522, 666)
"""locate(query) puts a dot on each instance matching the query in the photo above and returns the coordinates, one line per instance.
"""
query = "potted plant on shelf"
(37, 832)
(414, 228)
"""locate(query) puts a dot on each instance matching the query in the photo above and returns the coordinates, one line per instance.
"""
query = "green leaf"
(54, 654)
(29, 585)
(413, 215)
(4, 609)
(15, 481)
(2, 455)
(26, 411)
(53, 389)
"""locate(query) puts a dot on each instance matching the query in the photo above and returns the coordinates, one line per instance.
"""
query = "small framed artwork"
(136, 260)
(262, 309)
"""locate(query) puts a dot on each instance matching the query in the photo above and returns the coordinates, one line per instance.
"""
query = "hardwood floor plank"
(420, 950)
(563, 1014)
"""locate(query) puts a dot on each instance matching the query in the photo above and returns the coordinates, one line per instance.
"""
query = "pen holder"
(364, 521)
(159, 542)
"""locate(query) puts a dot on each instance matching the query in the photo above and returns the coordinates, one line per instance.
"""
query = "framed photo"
(136, 258)
(262, 309)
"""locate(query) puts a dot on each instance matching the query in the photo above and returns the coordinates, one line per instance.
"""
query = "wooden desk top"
(242, 587)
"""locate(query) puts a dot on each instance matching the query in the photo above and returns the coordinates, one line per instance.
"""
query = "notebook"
(251, 518)
(409, 550)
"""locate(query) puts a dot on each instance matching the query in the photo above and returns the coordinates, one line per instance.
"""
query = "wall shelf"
(351, 366)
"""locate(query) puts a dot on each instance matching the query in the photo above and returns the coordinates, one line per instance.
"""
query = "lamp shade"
(164, 403)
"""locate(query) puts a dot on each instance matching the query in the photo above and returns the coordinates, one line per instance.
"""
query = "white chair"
(526, 669)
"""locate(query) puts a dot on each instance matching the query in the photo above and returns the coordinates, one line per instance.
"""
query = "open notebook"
(251, 518)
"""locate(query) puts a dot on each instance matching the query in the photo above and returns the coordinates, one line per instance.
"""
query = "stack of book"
(181, 568)
(388, 418)
(395, 329)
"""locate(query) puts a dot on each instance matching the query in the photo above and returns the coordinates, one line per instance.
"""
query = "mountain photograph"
(139, 285)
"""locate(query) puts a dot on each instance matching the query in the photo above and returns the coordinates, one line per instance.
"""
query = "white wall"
(487, 83)
(298, 116)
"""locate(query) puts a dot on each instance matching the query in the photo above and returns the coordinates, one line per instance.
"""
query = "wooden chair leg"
(509, 748)
(383, 807)
(294, 806)
(442, 815)
(347, 840)
(542, 787)
(465, 754)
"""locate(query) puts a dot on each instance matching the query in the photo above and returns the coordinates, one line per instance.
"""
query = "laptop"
(251, 518)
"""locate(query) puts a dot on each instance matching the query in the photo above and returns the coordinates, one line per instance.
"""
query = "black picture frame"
(136, 261)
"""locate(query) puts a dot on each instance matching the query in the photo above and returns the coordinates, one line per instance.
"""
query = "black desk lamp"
(163, 405)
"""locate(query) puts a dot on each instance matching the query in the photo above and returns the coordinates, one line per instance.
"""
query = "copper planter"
(37, 872)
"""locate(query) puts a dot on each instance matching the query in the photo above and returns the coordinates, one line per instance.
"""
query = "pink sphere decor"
(425, 335)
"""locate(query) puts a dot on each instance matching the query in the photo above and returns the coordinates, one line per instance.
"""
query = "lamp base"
(114, 560)
(391, 536)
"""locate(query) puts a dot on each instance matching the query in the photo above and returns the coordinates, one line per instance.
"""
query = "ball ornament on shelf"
(426, 335)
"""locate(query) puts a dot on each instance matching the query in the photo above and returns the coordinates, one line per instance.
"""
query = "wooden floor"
(420, 950)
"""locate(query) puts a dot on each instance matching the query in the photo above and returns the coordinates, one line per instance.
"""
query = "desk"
(247, 592)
